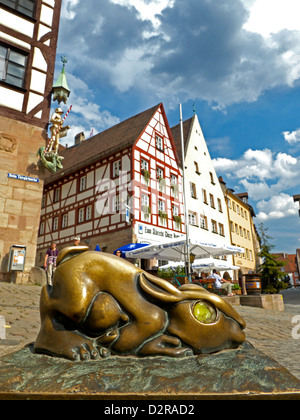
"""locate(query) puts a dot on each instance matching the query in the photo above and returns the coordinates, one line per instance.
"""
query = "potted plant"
(146, 175)
(237, 289)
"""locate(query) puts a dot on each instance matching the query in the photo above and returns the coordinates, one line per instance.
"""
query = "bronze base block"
(245, 373)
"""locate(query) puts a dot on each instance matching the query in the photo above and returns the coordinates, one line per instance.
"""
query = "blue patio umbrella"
(129, 247)
(98, 249)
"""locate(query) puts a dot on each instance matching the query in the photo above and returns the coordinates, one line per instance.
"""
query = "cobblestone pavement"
(269, 331)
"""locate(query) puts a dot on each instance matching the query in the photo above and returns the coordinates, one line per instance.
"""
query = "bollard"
(2, 328)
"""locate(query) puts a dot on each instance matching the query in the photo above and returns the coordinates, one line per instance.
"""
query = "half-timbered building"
(28, 40)
(119, 187)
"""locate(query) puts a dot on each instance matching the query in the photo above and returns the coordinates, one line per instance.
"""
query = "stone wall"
(20, 201)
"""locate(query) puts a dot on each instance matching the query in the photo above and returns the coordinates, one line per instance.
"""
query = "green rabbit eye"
(204, 313)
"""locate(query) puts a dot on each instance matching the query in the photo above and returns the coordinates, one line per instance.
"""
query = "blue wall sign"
(23, 178)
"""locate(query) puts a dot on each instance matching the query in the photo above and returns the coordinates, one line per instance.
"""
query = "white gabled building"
(207, 210)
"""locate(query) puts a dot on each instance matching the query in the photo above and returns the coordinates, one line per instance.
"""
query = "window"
(193, 190)
(193, 219)
(162, 213)
(214, 226)
(159, 173)
(42, 228)
(144, 165)
(212, 201)
(44, 201)
(55, 224)
(238, 209)
(220, 205)
(204, 196)
(203, 222)
(84, 214)
(197, 168)
(27, 7)
(116, 169)
(212, 178)
(145, 171)
(88, 213)
(175, 210)
(161, 206)
(159, 142)
(65, 219)
(233, 206)
(146, 209)
(57, 195)
(221, 229)
(81, 214)
(174, 186)
(229, 204)
(12, 66)
(82, 184)
(116, 204)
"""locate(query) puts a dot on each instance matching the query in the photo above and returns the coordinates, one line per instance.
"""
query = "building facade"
(290, 268)
(207, 211)
(121, 186)
(242, 229)
(28, 40)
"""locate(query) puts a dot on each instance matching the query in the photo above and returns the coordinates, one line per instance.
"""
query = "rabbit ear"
(159, 289)
(71, 252)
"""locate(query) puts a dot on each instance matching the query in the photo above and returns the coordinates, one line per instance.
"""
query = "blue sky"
(238, 61)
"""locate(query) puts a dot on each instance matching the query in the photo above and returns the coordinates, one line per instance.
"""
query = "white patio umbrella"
(175, 250)
(205, 264)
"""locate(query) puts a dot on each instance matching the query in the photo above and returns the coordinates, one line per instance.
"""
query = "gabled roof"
(176, 133)
(118, 137)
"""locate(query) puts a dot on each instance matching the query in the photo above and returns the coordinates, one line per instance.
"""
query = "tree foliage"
(270, 269)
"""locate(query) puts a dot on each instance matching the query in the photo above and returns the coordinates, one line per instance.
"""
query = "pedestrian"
(119, 254)
(76, 241)
(221, 283)
(50, 262)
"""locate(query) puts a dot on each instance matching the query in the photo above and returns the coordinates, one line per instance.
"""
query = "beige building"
(242, 229)
(28, 40)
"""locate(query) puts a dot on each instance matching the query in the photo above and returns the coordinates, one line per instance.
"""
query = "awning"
(175, 250)
(130, 247)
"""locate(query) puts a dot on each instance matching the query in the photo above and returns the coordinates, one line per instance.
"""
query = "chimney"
(79, 138)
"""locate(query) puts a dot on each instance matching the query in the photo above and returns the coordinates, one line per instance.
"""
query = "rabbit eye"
(204, 312)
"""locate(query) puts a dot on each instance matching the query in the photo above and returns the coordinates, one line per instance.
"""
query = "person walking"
(50, 263)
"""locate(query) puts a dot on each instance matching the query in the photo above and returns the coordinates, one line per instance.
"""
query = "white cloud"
(177, 51)
(262, 173)
(271, 16)
(148, 10)
(67, 11)
(292, 136)
(277, 207)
